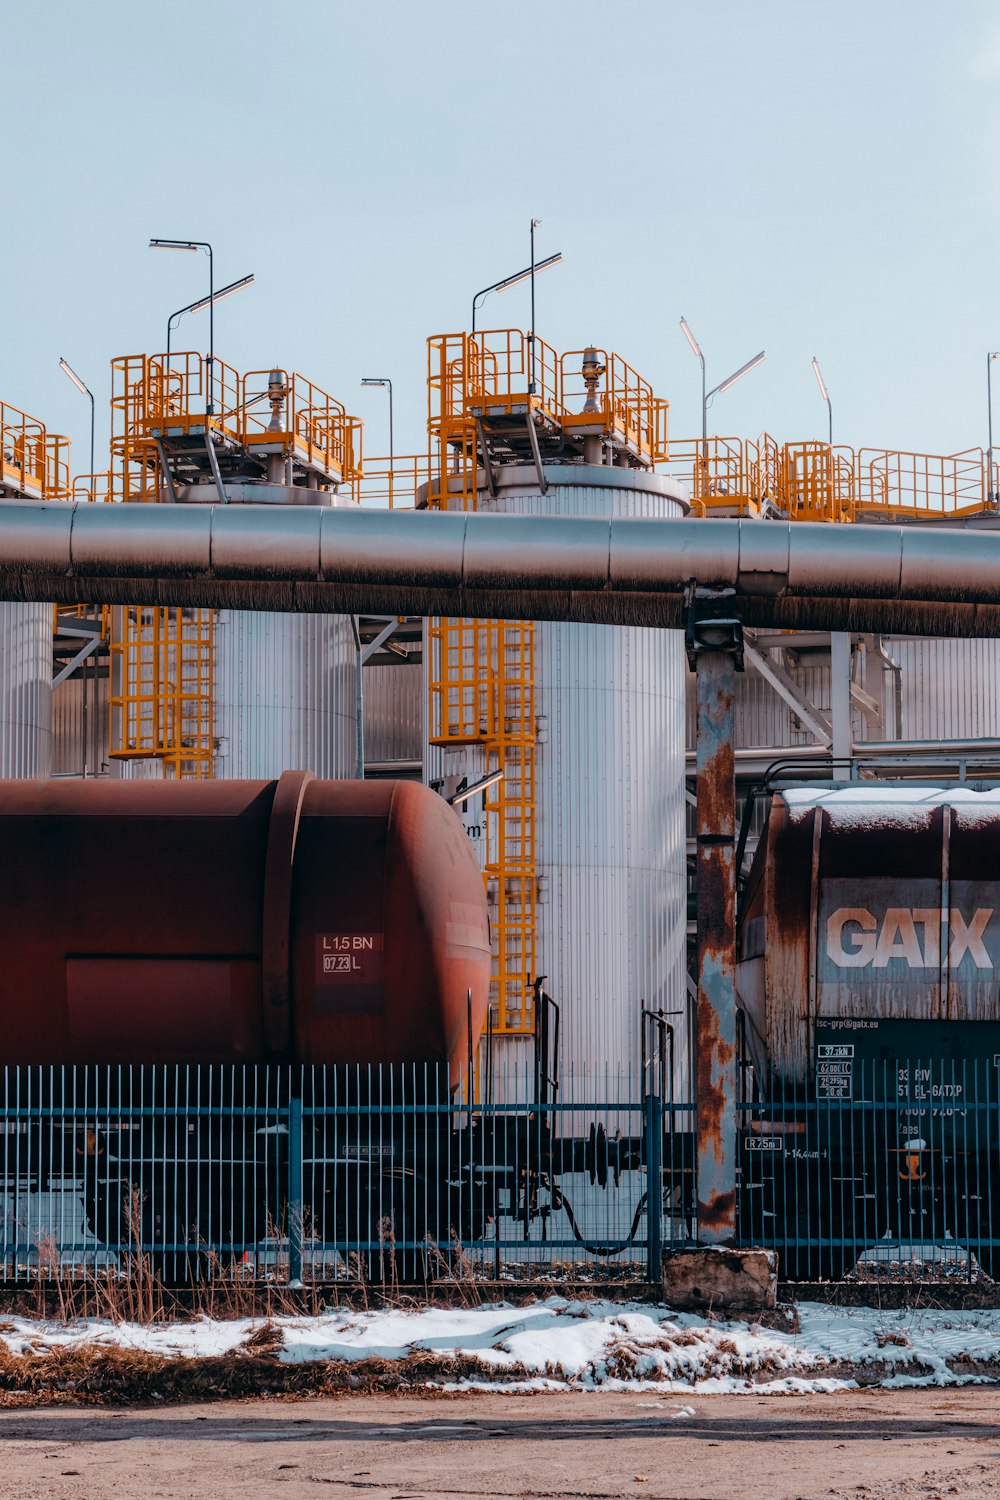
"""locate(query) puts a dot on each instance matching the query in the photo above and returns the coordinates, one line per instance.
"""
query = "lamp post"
(696, 350)
(824, 393)
(224, 291)
(531, 335)
(67, 369)
(196, 245)
(991, 493)
(509, 281)
(386, 383)
(718, 390)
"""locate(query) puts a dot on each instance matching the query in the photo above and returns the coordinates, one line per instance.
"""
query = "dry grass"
(96, 1375)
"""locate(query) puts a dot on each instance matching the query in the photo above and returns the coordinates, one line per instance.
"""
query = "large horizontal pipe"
(907, 580)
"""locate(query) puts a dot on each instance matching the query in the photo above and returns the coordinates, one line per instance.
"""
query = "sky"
(810, 177)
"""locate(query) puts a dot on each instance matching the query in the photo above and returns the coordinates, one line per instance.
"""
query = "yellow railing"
(392, 486)
(287, 410)
(916, 486)
(622, 403)
(812, 481)
(33, 461)
(264, 412)
(103, 488)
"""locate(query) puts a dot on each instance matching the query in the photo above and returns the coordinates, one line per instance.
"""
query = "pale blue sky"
(809, 176)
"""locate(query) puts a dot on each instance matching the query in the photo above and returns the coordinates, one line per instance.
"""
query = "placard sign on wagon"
(894, 940)
(348, 973)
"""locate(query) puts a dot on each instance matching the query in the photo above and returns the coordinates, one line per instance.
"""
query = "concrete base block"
(720, 1279)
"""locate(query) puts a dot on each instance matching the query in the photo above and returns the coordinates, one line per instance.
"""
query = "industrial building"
(598, 957)
(567, 750)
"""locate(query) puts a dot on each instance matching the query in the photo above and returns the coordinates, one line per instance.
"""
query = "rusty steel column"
(714, 638)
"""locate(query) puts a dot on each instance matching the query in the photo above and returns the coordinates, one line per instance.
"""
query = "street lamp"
(718, 390)
(508, 281)
(696, 350)
(67, 369)
(225, 291)
(198, 245)
(372, 380)
(991, 493)
(824, 393)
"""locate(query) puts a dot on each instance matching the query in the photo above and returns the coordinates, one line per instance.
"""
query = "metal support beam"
(484, 453)
(168, 478)
(359, 769)
(380, 640)
(543, 483)
(77, 660)
(715, 650)
(840, 694)
(788, 689)
(213, 459)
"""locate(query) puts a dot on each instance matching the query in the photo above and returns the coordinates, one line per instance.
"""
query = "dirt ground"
(873, 1444)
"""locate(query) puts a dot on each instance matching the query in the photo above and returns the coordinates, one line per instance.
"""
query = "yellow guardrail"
(393, 484)
(33, 461)
(613, 399)
(812, 481)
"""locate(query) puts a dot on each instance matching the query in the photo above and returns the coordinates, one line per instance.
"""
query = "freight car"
(338, 928)
(868, 981)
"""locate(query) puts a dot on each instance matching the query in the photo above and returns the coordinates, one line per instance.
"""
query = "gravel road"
(873, 1444)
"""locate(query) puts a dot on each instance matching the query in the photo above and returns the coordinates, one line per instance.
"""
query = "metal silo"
(562, 746)
(284, 695)
(608, 766)
(231, 693)
(25, 689)
(611, 855)
(34, 465)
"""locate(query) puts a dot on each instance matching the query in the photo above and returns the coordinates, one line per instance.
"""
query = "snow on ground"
(559, 1344)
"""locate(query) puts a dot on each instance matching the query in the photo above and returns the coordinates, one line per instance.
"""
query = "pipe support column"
(715, 651)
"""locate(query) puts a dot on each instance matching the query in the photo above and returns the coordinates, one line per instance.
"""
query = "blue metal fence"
(875, 1170)
(327, 1175)
(392, 1176)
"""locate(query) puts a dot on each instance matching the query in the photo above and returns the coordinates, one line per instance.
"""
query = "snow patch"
(558, 1344)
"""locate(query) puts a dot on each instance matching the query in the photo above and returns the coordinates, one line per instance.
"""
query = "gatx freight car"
(868, 980)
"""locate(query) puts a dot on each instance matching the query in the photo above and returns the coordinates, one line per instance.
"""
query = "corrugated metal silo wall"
(285, 695)
(25, 689)
(68, 726)
(392, 713)
(951, 689)
(609, 702)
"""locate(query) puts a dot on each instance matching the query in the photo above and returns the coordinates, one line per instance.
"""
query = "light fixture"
(210, 301)
(225, 291)
(477, 786)
(695, 346)
(706, 396)
(386, 383)
(824, 393)
(731, 380)
(509, 281)
(84, 390)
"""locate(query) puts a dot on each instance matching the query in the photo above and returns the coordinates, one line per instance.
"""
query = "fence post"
(295, 1192)
(654, 1186)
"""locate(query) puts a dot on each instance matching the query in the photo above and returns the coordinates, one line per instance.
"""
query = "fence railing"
(331, 1175)
(880, 1171)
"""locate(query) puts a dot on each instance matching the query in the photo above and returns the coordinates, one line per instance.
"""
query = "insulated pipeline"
(935, 581)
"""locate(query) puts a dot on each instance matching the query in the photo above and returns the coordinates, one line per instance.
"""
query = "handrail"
(33, 461)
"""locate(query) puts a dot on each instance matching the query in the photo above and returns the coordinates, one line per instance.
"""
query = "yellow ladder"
(161, 697)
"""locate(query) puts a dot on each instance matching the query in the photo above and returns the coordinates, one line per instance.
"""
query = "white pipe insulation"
(929, 580)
